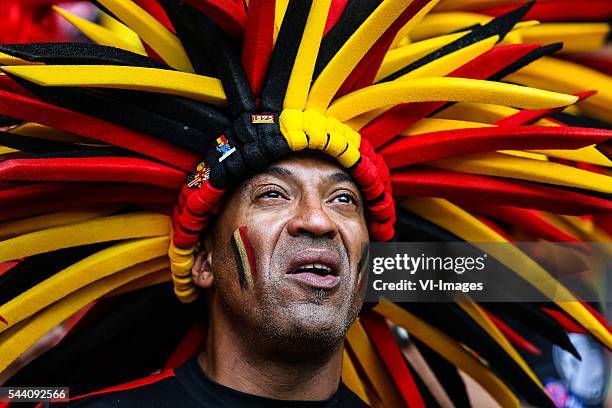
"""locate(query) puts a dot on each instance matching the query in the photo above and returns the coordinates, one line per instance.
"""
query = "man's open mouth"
(319, 269)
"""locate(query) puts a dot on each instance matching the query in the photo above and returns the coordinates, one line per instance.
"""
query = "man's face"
(305, 223)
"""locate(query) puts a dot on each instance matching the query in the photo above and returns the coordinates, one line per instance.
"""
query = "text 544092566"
(33, 394)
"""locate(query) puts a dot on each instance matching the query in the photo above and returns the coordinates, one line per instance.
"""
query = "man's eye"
(346, 199)
(271, 194)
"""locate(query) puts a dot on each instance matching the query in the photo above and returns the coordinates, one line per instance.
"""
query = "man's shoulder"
(159, 390)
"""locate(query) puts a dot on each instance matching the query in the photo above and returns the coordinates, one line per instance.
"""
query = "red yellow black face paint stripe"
(245, 257)
(3, 320)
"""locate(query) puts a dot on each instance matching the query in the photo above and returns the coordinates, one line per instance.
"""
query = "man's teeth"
(316, 268)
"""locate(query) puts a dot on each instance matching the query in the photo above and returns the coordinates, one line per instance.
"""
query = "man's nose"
(311, 218)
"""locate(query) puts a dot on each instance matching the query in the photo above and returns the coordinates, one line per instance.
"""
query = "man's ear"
(201, 272)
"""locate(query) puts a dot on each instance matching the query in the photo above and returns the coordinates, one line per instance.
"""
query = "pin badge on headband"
(199, 176)
(224, 147)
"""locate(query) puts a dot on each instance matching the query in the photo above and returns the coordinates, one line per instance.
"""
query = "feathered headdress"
(451, 116)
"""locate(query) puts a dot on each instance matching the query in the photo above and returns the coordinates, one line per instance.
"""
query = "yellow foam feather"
(442, 89)
(445, 65)
(95, 267)
(450, 350)
(98, 34)
(303, 67)
(198, 87)
(351, 379)
(528, 155)
(503, 165)
(564, 76)
(436, 24)
(7, 150)
(405, 31)
(400, 57)
(151, 31)
(573, 110)
(112, 228)
(120, 29)
(483, 320)
(44, 132)
(459, 222)
(561, 223)
(451, 5)
(516, 35)
(587, 154)
(161, 276)
(586, 230)
(360, 121)
(580, 37)
(475, 112)
(280, 10)
(22, 226)
(374, 369)
(6, 59)
(349, 55)
(483, 113)
(21, 337)
(427, 125)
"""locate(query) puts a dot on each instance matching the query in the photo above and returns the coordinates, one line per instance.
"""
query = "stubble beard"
(310, 330)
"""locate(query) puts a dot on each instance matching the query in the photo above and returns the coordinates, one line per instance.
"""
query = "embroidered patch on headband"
(259, 119)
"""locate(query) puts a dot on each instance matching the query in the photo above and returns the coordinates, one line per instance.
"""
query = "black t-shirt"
(188, 386)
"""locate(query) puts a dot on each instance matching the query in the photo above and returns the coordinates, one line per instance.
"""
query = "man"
(227, 94)
(279, 341)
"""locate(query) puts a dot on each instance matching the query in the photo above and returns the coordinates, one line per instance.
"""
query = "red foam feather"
(471, 188)
(156, 10)
(601, 62)
(364, 73)
(568, 324)
(379, 332)
(108, 169)
(42, 198)
(530, 221)
(598, 316)
(561, 10)
(256, 52)
(190, 345)
(527, 116)
(33, 110)
(514, 337)
(456, 142)
(401, 117)
(230, 16)
(335, 12)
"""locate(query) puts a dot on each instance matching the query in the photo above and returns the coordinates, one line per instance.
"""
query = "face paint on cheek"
(245, 257)
(362, 265)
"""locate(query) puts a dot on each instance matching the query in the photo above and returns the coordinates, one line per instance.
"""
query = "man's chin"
(313, 323)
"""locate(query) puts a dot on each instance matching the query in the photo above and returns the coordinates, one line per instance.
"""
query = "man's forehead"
(308, 165)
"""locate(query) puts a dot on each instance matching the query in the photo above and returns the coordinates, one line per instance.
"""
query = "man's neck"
(229, 361)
